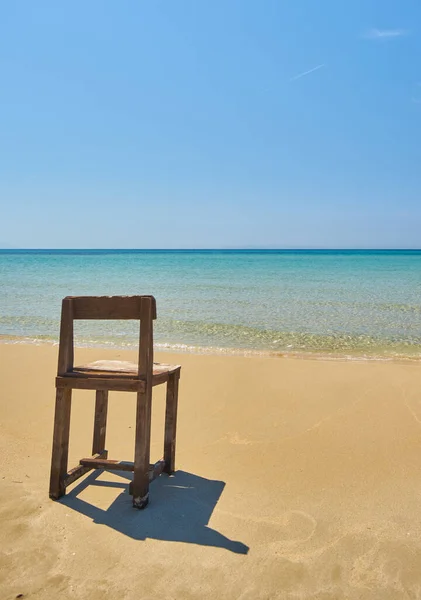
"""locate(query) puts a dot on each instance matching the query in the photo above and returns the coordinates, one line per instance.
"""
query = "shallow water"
(335, 303)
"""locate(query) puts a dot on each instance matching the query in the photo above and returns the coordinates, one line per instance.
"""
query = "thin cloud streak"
(307, 72)
(382, 34)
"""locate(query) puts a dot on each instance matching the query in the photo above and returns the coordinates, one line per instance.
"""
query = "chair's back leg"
(60, 442)
(140, 486)
(171, 423)
(100, 421)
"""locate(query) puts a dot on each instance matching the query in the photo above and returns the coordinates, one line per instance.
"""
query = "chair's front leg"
(140, 486)
(171, 423)
(60, 450)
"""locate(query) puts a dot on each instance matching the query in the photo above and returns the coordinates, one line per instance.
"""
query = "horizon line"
(226, 249)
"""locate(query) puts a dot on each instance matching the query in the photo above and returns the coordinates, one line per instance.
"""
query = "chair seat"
(111, 369)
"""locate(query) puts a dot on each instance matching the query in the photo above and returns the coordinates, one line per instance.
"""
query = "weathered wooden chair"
(104, 376)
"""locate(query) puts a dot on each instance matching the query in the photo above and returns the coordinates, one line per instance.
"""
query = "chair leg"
(140, 485)
(171, 423)
(100, 421)
(60, 442)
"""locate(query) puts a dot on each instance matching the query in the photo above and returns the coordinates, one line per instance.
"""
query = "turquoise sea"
(327, 303)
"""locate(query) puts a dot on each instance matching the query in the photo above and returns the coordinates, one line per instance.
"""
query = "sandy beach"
(295, 479)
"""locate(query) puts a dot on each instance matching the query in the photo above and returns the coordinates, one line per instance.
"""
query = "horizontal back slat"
(109, 307)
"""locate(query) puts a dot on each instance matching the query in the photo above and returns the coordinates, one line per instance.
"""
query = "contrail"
(307, 72)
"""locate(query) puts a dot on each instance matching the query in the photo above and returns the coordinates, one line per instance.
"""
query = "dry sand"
(296, 479)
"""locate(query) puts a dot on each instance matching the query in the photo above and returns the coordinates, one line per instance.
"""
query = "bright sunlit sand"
(295, 479)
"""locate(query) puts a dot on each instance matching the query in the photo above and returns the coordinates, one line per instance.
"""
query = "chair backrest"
(142, 308)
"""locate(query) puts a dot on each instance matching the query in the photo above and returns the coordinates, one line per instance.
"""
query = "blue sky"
(223, 123)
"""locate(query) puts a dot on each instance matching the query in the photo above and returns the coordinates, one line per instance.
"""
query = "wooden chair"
(105, 376)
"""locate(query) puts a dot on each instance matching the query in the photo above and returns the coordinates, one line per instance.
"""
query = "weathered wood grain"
(113, 385)
(145, 364)
(120, 368)
(100, 421)
(143, 409)
(108, 307)
(102, 370)
(142, 448)
(107, 464)
(65, 354)
(171, 422)
(155, 471)
(60, 443)
(80, 470)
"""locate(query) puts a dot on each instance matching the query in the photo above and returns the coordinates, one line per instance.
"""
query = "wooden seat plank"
(120, 368)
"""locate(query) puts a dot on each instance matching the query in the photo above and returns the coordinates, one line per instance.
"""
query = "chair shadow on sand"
(179, 510)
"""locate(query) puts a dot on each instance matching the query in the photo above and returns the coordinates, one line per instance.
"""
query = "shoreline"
(186, 349)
